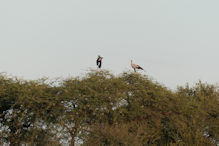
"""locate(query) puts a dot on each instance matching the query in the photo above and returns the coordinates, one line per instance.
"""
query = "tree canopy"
(104, 109)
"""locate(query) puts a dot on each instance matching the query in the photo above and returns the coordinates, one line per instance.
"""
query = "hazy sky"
(176, 41)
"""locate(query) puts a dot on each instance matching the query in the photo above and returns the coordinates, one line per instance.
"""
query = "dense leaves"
(103, 109)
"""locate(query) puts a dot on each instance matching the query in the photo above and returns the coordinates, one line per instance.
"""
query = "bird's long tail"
(141, 68)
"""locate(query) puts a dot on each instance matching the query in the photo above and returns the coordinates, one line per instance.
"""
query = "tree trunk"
(72, 141)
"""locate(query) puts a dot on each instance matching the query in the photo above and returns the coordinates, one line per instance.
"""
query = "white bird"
(134, 66)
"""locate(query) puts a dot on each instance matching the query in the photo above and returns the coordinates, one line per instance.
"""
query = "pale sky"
(176, 41)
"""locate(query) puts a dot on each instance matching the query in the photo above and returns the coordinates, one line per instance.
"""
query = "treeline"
(103, 109)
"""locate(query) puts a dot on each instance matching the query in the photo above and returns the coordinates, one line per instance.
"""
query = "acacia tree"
(91, 100)
(201, 110)
(103, 109)
(34, 107)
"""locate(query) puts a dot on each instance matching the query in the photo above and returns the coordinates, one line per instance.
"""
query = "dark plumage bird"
(134, 66)
(99, 61)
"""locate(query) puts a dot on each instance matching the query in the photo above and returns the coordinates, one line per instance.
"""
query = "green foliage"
(103, 109)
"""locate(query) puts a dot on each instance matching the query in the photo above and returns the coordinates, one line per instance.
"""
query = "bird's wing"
(97, 61)
(100, 64)
(134, 65)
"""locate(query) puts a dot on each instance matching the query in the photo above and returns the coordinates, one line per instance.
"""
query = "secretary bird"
(99, 61)
(134, 66)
